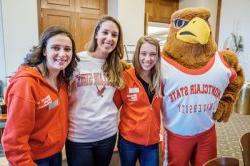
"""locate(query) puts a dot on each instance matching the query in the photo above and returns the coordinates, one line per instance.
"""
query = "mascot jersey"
(191, 96)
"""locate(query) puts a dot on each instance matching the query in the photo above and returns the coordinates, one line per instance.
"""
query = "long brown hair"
(112, 68)
(156, 70)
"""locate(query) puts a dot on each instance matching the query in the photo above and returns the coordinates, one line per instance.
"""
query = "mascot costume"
(201, 86)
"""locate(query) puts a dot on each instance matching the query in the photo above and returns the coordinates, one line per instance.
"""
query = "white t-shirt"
(192, 96)
(92, 114)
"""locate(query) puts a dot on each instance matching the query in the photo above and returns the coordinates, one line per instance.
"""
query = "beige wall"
(235, 19)
(131, 16)
(20, 31)
(2, 57)
(132, 19)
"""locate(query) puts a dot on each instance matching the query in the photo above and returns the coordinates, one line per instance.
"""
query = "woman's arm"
(118, 99)
(19, 125)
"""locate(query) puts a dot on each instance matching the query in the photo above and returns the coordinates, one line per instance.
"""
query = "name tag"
(133, 90)
(53, 104)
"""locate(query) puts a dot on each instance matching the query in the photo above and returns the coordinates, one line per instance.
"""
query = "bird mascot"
(201, 86)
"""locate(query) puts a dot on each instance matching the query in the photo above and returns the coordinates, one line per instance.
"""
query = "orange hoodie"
(37, 118)
(139, 120)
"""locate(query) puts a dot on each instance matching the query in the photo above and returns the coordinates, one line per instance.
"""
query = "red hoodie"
(139, 119)
(37, 118)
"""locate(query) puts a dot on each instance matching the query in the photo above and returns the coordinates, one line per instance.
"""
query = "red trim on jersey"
(202, 70)
(233, 72)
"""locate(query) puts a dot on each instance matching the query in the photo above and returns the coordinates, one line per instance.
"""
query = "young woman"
(140, 103)
(93, 114)
(37, 102)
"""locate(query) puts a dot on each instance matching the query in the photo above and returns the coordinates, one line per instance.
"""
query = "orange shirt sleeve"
(118, 99)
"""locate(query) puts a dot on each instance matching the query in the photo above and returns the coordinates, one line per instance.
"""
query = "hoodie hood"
(21, 76)
(26, 71)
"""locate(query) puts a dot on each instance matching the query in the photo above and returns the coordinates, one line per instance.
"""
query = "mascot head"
(190, 37)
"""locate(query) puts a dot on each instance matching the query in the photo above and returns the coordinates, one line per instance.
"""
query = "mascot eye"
(179, 23)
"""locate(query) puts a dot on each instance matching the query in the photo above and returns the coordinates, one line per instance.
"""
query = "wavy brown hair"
(36, 55)
(155, 84)
(112, 68)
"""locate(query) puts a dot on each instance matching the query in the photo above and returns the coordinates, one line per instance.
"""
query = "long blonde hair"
(156, 70)
(112, 68)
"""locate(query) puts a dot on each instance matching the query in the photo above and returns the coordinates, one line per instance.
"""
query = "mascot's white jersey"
(191, 96)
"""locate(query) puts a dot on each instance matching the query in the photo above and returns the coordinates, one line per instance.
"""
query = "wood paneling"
(64, 5)
(77, 16)
(161, 10)
(84, 34)
(149, 7)
(91, 6)
(59, 18)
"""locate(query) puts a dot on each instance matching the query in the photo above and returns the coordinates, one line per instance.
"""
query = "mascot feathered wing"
(190, 43)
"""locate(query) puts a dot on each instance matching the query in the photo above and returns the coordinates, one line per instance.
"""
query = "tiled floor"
(229, 135)
(228, 138)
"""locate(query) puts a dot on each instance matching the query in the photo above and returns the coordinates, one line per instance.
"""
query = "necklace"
(100, 91)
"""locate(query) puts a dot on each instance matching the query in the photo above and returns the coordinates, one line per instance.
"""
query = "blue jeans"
(54, 160)
(129, 153)
(90, 154)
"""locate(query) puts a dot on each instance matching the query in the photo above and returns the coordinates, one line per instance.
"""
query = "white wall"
(210, 4)
(113, 8)
(20, 31)
(2, 59)
(235, 18)
(130, 13)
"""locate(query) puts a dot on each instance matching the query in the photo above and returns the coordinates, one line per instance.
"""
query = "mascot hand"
(223, 111)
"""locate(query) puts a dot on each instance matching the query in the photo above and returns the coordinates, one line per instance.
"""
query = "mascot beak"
(196, 31)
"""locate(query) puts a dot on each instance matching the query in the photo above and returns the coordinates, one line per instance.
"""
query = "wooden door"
(160, 10)
(88, 13)
(58, 17)
(77, 16)
(166, 9)
(86, 23)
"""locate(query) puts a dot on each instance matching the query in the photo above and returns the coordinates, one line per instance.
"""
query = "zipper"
(145, 93)
(149, 130)
(151, 104)
(139, 84)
